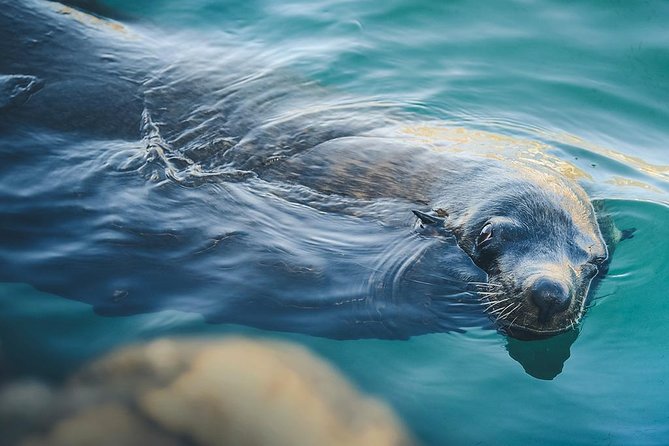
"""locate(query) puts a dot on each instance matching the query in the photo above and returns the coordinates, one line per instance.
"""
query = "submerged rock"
(179, 392)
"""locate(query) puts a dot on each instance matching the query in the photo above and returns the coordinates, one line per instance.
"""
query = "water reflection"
(545, 358)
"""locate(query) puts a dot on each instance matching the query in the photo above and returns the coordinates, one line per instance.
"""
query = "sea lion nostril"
(550, 297)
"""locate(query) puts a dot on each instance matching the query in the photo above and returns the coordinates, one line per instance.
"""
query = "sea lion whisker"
(506, 308)
(493, 309)
(496, 301)
(487, 299)
(499, 310)
(490, 306)
(517, 316)
(485, 284)
(476, 282)
(518, 305)
(502, 315)
(510, 312)
(488, 293)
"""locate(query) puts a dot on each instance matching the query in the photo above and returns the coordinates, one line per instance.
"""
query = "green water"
(590, 79)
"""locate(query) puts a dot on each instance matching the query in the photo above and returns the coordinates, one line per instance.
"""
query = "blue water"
(105, 245)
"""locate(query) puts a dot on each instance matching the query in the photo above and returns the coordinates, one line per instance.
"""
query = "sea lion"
(533, 231)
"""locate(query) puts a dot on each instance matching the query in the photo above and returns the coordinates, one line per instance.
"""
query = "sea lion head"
(538, 240)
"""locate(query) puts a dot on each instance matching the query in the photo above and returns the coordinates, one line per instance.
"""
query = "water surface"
(152, 244)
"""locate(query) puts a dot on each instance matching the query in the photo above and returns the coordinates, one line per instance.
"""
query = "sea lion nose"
(550, 297)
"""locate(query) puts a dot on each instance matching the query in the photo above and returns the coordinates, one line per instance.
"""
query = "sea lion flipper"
(627, 233)
(610, 231)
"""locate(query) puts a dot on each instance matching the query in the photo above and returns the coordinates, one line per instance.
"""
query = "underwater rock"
(106, 425)
(205, 392)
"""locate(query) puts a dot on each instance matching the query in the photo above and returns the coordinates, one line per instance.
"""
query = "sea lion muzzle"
(550, 297)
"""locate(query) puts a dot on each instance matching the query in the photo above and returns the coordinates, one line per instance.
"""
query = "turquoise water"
(587, 81)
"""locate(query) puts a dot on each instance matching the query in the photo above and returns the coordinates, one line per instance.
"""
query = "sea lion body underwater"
(533, 231)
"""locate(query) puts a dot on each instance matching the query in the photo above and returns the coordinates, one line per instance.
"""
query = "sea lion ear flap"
(428, 219)
(432, 225)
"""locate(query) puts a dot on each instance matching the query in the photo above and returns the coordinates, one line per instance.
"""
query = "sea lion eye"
(485, 235)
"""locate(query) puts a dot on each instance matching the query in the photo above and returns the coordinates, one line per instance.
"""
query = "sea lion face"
(541, 250)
